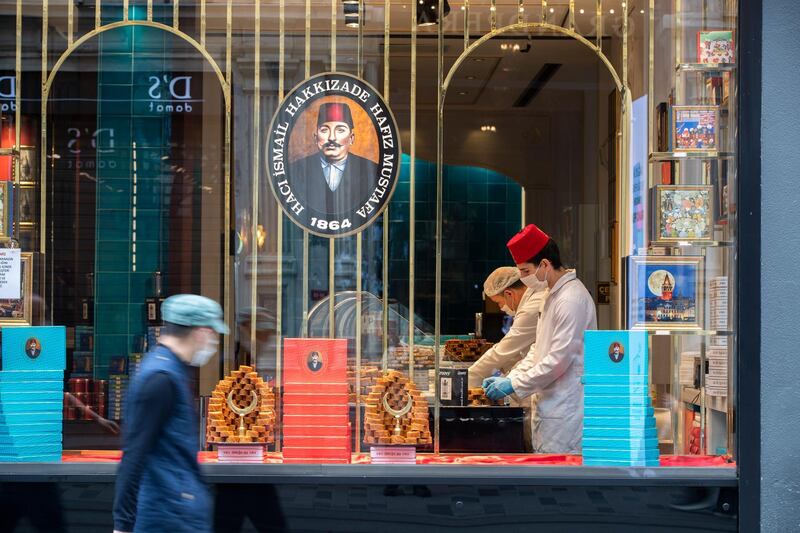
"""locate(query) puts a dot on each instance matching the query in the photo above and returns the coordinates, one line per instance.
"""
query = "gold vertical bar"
(493, 15)
(43, 159)
(70, 22)
(203, 23)
(98, 13)
(598, 28)
(334, 4)
(331, 287)
(125, 6)
(308, 48)
(176, 14)
(544, 11)
(412, 197)
(227, 209)
(522, 207)
(150, 10)
(385, 245)
(466, 24)
(360, 41)
(279, 254)
(520, 11)
(624, 44)
(332, 241)
(18, 110)
(359, 252)
(255, 184)
(439, 206)
(571, 15)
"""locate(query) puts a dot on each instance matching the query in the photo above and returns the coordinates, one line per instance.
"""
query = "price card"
(10, 273)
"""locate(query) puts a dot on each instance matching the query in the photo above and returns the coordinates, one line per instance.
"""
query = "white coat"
(513, 347)
(554, 366)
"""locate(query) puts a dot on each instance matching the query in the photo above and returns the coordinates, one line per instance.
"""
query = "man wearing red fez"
(554, 365)
(334, 181)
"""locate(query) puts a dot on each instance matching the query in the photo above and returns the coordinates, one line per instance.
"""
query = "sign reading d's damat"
(333, 154)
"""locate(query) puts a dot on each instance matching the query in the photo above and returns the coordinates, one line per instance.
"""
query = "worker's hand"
(499, 388)
(488, 381)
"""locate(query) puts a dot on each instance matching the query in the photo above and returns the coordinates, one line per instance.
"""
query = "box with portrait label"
(616, 353)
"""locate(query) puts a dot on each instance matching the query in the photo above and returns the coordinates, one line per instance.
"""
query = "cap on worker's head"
(334, 112)
(527, 243)
(193, 311)
(499, 280)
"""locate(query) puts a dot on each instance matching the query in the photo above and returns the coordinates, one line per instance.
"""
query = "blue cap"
(194, 311)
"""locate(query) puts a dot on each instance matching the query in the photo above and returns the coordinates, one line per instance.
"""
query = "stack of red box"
(316, 425)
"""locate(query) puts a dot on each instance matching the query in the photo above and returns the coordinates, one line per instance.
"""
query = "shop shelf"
(705, 67)
(683, 156)
(697, 332)
(716, 403)
(690, 244)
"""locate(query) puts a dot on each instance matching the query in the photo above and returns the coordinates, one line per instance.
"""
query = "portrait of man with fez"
(334, 180)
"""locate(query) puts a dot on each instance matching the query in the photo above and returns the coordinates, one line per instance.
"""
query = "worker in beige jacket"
(504, 288)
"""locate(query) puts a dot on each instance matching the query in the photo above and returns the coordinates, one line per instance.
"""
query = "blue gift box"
(9, 407)
(619, 422)
(50, 352)
(12, 442)
(608, 453)
(632, 412)
(30, 429)
(615, 352)
(615, 379)
(635, 444)
(620, 389)
(620, 462)
(620, 433)
(30, 396)
(616, 401)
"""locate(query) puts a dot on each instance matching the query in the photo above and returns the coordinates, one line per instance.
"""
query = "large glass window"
(148, 158)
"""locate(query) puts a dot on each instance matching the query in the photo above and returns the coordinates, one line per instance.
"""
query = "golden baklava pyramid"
(223, 423)
(380, 426)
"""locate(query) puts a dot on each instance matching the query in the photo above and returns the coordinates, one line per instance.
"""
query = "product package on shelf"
(84, 338)
(117, 391)
(316, 424)
(466, 350)
(396, 412)
(619, 426)
(153, 334)
(718, 303)
(32, 393)
(717, 374)
(687, 365)
(241, 411)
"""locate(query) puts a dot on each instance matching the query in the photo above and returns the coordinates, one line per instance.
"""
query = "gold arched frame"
(49, 77)
(623, 133)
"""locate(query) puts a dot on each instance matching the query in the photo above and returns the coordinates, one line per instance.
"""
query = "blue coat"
(172, 494)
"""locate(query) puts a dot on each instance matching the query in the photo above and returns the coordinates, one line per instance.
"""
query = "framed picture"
(28, 164)
(27, 204)
(5, 210)
(695, 128)
(683, 213)
(715, 47)
(665, 292)
(19, 312)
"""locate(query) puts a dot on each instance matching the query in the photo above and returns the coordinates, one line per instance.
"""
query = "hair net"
(499, 280)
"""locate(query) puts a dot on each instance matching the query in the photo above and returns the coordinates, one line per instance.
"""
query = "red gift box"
(318, 452)
(315, 431)
(316, 399)
(314, 361)
(315, 410)
(340, 443)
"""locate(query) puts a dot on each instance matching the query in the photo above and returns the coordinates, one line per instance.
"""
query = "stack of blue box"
(619, 425)
(32, 393)
(117, 390)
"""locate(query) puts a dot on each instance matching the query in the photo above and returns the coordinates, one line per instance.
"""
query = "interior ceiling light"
(552, 10)
(488, 128)
(581, 11)
(350, 2)
(427, 12)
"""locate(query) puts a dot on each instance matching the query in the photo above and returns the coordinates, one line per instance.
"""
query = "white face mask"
(533, 282)
(203, 355)
(507, 310)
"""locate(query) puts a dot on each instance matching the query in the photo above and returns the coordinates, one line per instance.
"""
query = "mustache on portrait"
(331, 144)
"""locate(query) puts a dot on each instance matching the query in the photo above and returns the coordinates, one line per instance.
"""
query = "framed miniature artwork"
(695, 128)
(665, 292)
(27, 204)
(28, 164)
(18, 312)
(683, 213)
(715, 47)
(5, 210)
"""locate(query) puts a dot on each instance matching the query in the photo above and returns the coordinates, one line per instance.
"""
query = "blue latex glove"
(489, 381)
(499, 388)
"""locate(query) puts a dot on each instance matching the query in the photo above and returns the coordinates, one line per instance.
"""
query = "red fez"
(527, 243)
(334, 112)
